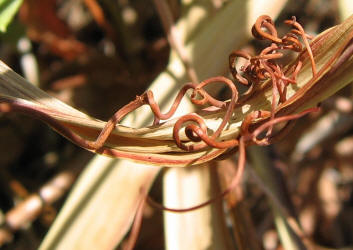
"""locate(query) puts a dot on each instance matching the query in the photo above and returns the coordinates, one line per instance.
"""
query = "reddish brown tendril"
(255, 70)
(199, 133)
(274, 121)
(235, 182)
(145, 99)
(266, 22)
(232, 63)
(260, 114)
(262, 67)
(300, 31)
(137, 223)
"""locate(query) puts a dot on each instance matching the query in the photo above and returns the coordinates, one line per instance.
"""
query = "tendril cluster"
(264, 66)
(197, 136)
(256, 69)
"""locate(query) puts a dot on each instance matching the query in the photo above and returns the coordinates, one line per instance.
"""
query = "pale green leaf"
(8, 9)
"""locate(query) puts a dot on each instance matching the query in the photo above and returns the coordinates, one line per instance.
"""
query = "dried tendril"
(256, 70)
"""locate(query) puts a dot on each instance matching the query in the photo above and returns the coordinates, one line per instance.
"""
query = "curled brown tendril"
(266, 22)
(198, 132)
(246, 137)
(197, 135)
(262, 67)
(252, 136)
(199, 96)
(256, 69)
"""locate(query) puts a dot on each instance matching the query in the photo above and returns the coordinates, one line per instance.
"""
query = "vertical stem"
(173, 37)
(200, 229)
(288, 228)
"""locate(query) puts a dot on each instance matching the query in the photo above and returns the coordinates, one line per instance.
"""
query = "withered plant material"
(45, 26)
(186, 140)
(33, 205)
(106, 194)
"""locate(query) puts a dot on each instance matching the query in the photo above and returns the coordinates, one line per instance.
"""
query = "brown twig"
(98, 15)
(31, 207)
